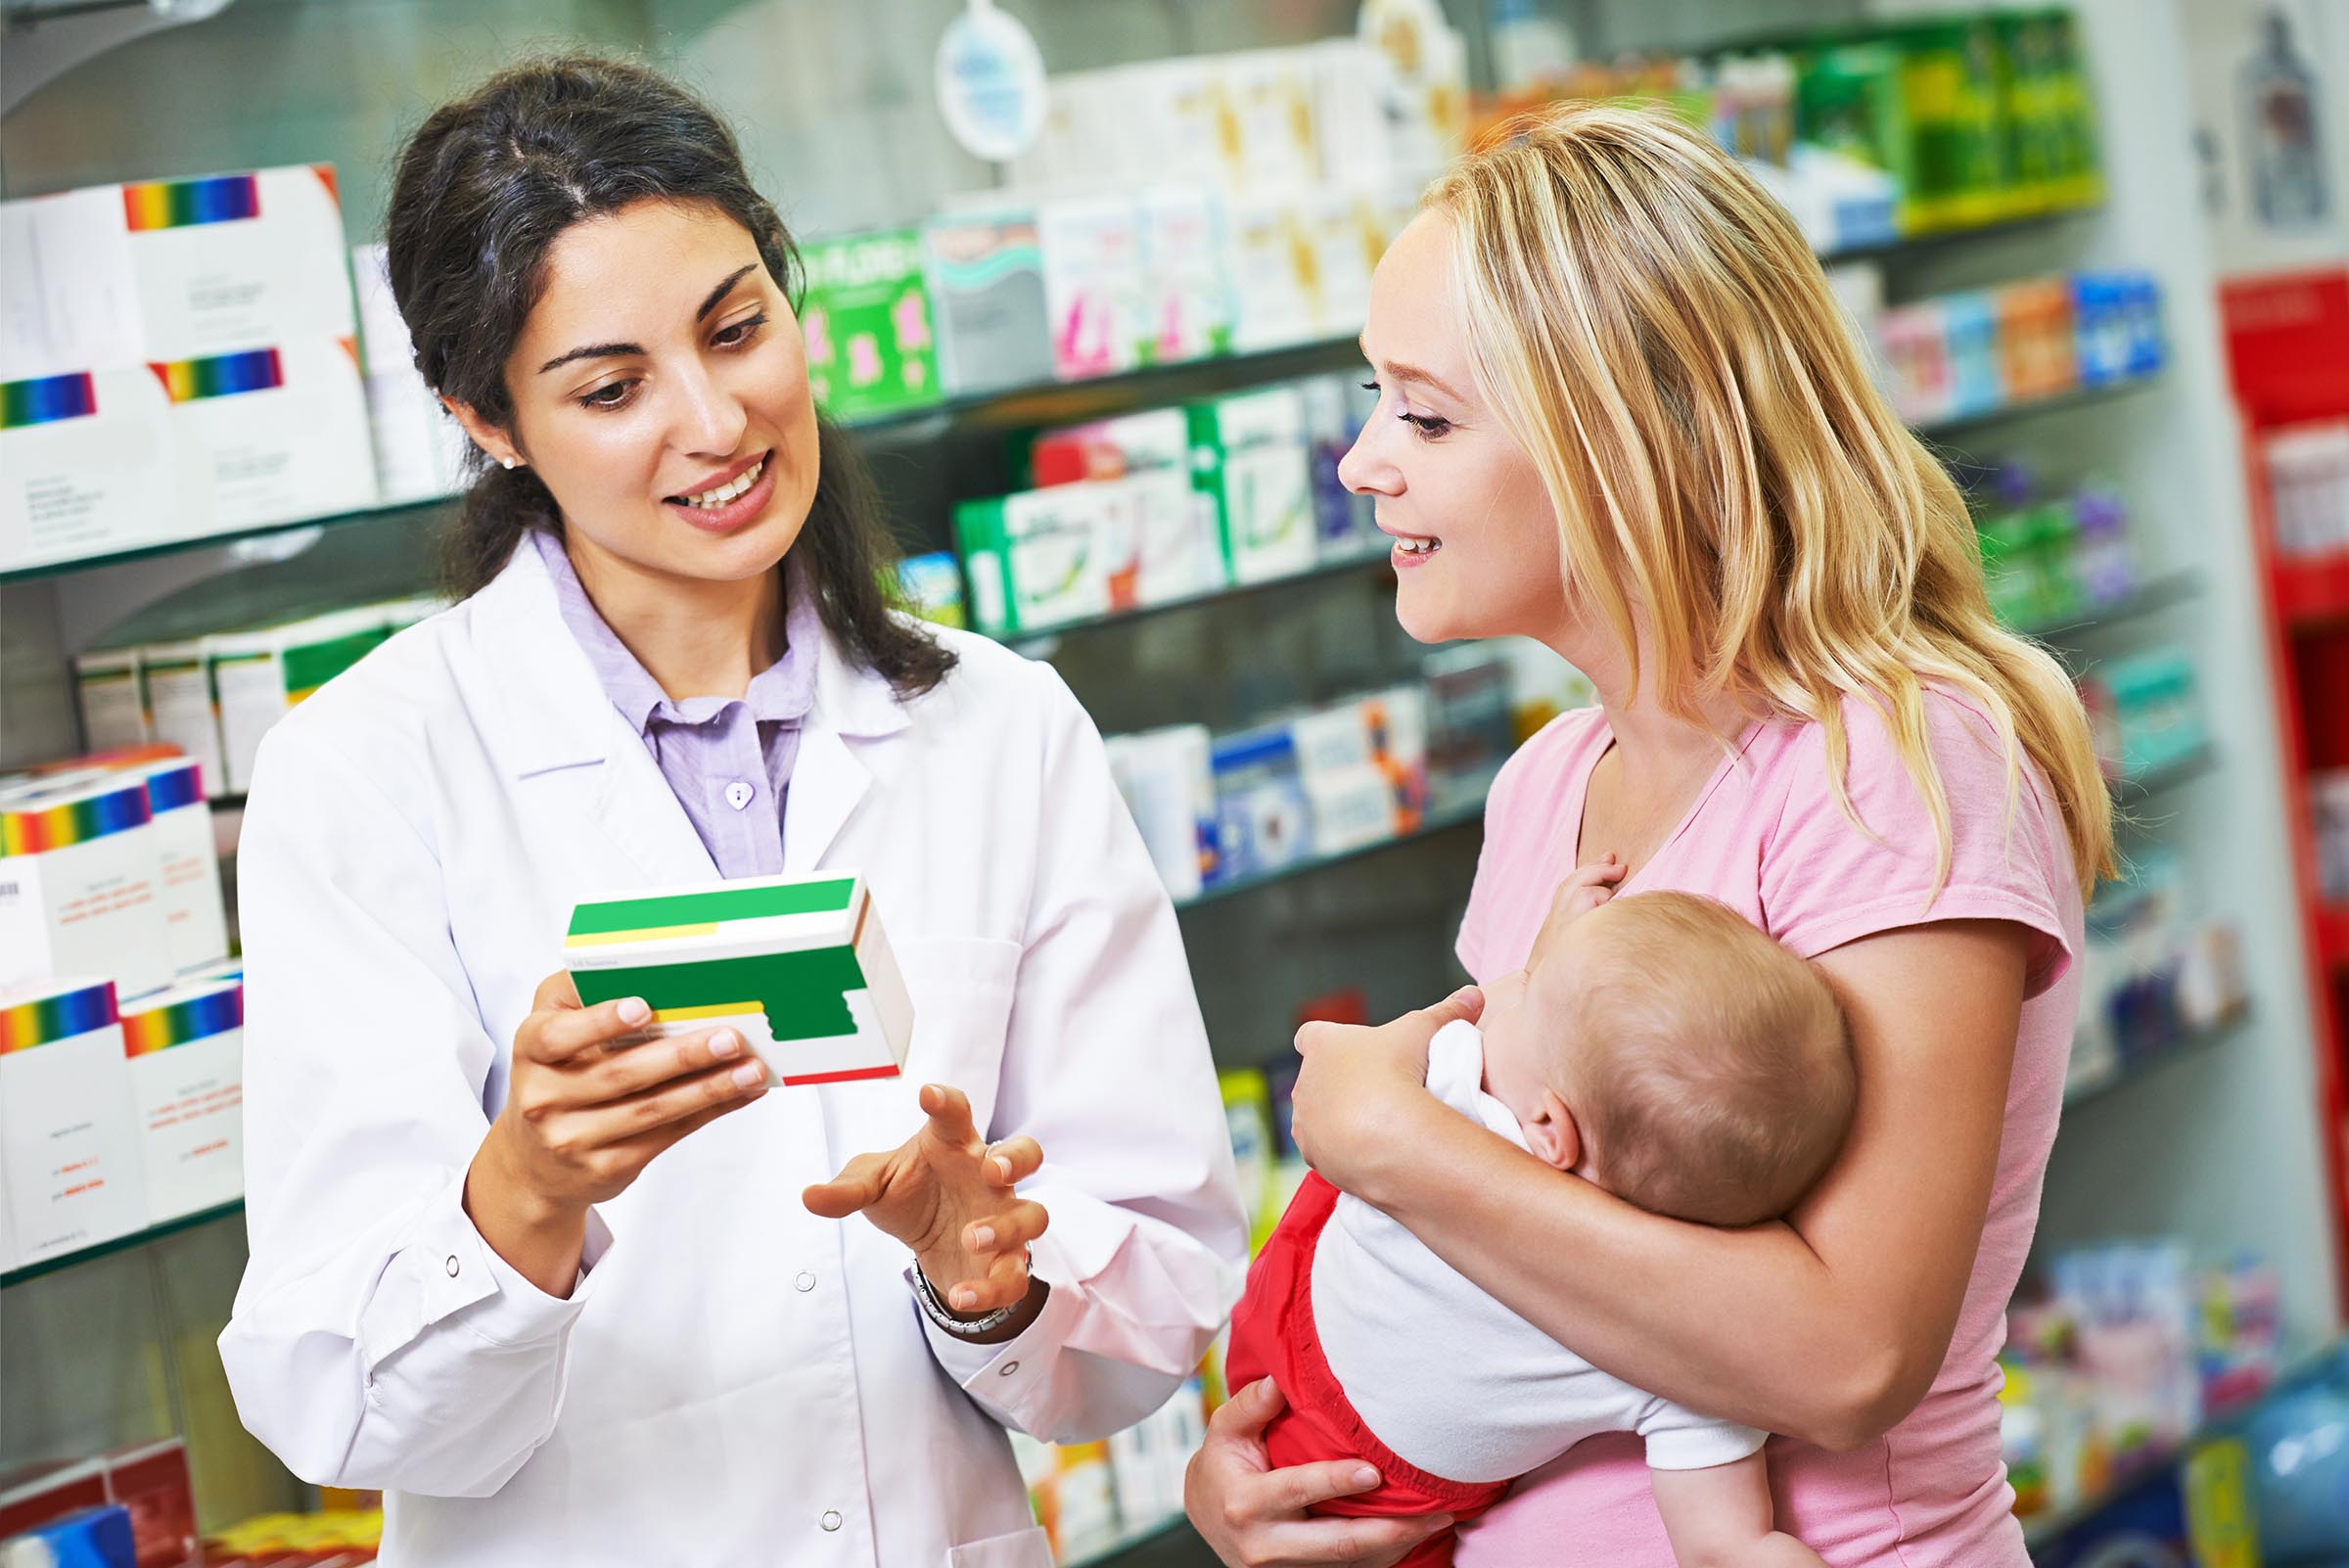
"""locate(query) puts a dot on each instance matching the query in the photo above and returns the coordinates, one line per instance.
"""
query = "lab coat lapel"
(564, 744)
(845, 738)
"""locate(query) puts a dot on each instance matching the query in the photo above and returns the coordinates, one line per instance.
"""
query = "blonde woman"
(1621, 413)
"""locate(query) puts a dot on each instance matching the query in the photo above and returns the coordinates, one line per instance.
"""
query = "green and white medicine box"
(798, 965)
(1038, 558)
(1248, 450)
(872, 347)
(257, 678)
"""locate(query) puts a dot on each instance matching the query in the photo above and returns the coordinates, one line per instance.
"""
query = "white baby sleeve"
(1681, 1440)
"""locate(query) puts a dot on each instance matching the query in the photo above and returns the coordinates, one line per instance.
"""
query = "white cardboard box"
(195, 913)
(112, 697)
(270, 434)
(87, 466)
(79, 896)
(182, 709)
(257, 676)
(185, 1047)
(69, 1174)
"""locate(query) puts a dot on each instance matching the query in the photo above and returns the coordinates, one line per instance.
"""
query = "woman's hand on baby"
(947, 1195)
(1253, 1516)
(1360, 1084)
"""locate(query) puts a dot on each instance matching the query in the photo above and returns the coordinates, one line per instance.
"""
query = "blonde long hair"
(1649, 325)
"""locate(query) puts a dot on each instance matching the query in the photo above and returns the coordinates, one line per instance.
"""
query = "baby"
(1657, 1046)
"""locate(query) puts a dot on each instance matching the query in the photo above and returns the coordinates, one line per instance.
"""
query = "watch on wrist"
(944, 1316)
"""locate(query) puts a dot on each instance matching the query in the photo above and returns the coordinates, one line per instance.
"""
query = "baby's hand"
(1585, 889)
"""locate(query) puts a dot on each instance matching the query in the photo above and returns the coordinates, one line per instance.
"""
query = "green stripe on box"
(804, 993)
(312, 665)
(709, 908)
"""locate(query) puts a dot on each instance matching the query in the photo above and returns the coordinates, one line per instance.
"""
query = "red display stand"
(2288, 348)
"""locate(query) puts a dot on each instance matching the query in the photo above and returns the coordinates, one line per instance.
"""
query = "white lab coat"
(733, 1381)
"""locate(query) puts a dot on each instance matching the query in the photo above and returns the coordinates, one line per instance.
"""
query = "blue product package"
(1263, 820)
(94, 1537)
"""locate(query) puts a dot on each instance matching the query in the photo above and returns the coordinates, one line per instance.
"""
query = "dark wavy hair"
(485, 188)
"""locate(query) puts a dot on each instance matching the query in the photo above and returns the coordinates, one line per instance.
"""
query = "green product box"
(1849, 101)
(1037, 559)
(1248, 451)
(1950, 78)
(871, 344)
(798, 965)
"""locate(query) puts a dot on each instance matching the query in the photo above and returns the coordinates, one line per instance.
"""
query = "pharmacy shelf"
(2043, 1531)
(2138, 788)
(2144, 1063)
(123, 1243)
(1902, 245)
(1939, 431)
(2148, 598)
(1039, 642)
(388, 512)
(1459, 813)
(2312, 591)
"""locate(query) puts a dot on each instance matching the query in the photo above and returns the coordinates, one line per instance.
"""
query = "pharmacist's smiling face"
(1476, 541)
(661, 392)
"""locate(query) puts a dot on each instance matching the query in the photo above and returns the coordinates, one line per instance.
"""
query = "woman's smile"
(738, 495)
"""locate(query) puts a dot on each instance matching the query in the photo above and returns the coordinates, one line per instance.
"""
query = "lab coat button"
(804, 1284)
(1008, 1368)
(738, 795)
(830, 1519)
(452, 1265)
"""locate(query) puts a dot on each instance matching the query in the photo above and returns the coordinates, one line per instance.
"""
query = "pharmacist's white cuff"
(447, 1270)
(996, 1374)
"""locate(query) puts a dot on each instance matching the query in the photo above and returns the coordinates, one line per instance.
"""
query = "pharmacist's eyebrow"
(618, 350)
(1402, 372)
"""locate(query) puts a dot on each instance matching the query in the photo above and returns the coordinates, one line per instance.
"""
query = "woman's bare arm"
(1828, 1326)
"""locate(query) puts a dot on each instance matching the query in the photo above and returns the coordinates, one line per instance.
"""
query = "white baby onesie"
(1449, 1378)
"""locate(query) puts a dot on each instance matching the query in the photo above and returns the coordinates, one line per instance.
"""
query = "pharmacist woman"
(566, 1303)
(1621, 411)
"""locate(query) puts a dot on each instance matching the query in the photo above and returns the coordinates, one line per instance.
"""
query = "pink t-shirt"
(1767, 839)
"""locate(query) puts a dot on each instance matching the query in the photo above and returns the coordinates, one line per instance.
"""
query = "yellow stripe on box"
(605, 939)
(689, 1015)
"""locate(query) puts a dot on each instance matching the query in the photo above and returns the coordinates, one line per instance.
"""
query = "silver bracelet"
(960, 1327)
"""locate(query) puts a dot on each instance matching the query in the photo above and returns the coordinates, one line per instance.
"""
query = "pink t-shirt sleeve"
(1825, 882)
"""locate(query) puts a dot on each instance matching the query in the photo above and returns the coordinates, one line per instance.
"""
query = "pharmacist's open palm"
(947, 1195)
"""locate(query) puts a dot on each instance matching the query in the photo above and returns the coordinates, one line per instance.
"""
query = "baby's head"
(1662, 1046)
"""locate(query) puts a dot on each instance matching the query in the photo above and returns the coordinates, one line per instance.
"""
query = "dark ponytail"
(484, 189)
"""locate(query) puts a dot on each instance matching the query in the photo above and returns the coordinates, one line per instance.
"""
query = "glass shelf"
(1455, 814)
(2147, 1062)
(1939, 430)
(2154, 594)
(122, 1243)
(2137, 788)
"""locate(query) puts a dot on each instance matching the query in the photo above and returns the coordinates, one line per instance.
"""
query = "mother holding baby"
(1621, 413)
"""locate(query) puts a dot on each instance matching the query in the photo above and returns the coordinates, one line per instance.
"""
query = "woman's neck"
(696, 638)
(1650, 737)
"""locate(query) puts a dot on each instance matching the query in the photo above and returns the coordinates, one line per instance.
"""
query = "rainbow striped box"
(87, 466)
(186, 1049)
(171, 270)
(268, 434)
(79, 874)
(70, 1174)
(799, 965)
(195, 913)
(257, 676)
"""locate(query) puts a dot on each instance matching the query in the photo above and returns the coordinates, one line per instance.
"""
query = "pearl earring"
(506, 461)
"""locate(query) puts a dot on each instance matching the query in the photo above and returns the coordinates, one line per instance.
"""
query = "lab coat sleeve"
(377, 1341)
(1106, 1066)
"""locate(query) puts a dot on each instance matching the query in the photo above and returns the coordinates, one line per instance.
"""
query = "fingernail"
(724, 1044)
(750, 1074)
(634, 1011)
(983, 1238)
(1003, 1169)
(962, 1301)
(1365, 1477)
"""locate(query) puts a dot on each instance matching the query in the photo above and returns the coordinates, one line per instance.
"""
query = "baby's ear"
(1552, 1134)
